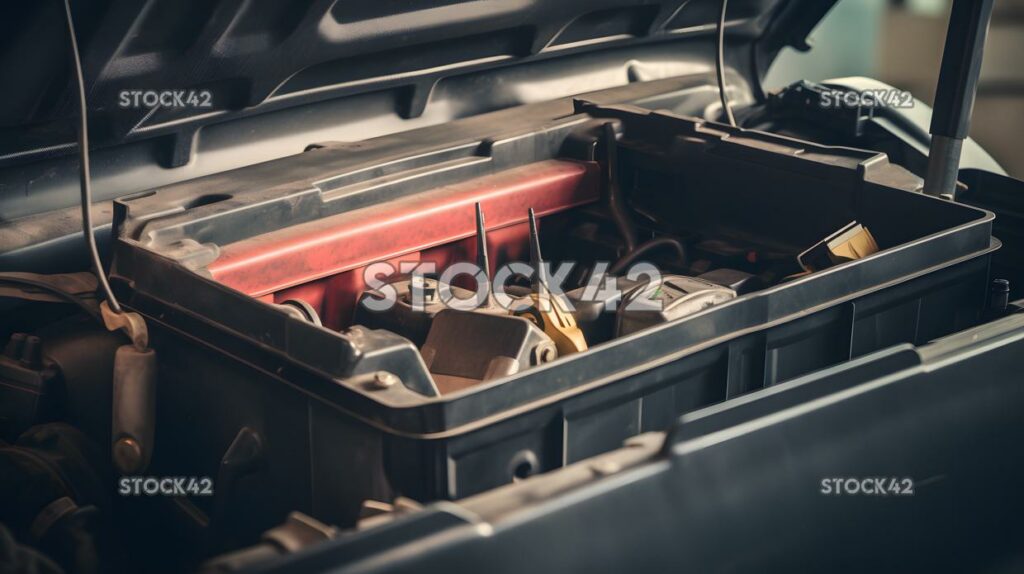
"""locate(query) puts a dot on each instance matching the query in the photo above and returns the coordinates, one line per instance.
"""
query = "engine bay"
(468, 252)
(337, 337)
(461, 286)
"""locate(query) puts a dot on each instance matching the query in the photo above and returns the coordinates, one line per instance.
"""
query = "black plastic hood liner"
(213, 60)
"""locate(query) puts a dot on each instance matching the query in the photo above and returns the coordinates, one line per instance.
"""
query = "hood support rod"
(954, 95)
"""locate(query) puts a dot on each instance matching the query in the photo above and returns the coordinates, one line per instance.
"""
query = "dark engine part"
(378, 347)
(671, 298)
(627, 308)
(468, 347)
(53, 497)
(594, 309)
(739, 281)
(29, 389)
(403, 317)
(301, 310)
(297, 533)
(61, 372)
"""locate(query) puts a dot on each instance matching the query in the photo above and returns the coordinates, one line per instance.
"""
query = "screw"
(383, 380)
(544, 353)
(127, 455)
(425, 289)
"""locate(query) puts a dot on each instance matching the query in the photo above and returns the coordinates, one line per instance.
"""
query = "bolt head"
(544, 353)
(384, 380)
(425, 289)
(127, 455)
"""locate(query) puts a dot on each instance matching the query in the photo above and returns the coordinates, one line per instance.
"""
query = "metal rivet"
(127, 455)
(544, 353)
(384, 380)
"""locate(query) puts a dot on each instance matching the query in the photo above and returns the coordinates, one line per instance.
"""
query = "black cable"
(63, 295)
(613, 198)
(720, 65)
(83, 156)
(646, 247)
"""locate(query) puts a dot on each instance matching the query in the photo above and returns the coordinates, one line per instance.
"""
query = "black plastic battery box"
(296, 416)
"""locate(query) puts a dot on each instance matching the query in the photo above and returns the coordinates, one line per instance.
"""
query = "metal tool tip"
(482, 259)
(536, 259)
(480, 226)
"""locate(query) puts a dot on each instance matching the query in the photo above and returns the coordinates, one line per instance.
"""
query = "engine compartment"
(456, 286)
(772, 258)
(686, 239)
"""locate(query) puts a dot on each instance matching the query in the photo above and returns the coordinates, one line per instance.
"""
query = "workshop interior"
(505, 286)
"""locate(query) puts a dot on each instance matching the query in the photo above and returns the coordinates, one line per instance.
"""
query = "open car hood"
(230, 59)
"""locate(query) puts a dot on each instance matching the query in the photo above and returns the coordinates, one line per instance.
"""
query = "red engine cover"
(321, 261)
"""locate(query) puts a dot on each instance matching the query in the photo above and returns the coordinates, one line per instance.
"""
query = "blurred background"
(900, 43)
